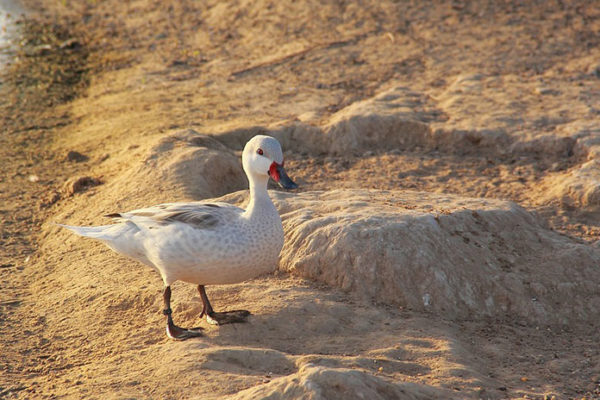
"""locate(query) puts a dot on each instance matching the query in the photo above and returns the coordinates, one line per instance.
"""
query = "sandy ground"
(493, 100)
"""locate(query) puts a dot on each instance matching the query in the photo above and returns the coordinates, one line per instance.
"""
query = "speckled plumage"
(205, 243)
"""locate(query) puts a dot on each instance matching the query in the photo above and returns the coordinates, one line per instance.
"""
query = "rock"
(457, 257)
(547, 146)
(395, 118)
(543, 91)
(79, 184)
(579, 187)
(195, 165)
(71, 43)
(588, 141)
(76, 156)
(321, 383)
(41, 50)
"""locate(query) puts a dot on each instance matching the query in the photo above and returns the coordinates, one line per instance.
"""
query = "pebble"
(70, 44)
(76, 156)
(546, 91)
(79, 184)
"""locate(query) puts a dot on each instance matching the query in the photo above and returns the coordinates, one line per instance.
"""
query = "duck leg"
(220, 318)
(173, 331)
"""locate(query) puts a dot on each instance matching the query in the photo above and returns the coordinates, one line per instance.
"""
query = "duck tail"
(96, 232)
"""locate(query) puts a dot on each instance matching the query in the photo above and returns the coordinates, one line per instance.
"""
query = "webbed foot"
(220, 318)
(227, 317)
(177, 333)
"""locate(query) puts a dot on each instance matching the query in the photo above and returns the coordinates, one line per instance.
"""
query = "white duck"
(206, 243)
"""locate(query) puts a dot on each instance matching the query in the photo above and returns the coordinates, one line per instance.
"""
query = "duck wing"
(179, 239)
(196, 215)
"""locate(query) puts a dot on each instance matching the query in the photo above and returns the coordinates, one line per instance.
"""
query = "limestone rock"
(320, 383)
(458, 257)
(186, 164)
(579, 187)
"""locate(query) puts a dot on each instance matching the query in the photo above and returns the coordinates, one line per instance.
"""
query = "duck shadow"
(307, 319)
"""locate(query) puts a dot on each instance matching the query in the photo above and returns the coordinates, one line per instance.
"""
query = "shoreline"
(10, 12)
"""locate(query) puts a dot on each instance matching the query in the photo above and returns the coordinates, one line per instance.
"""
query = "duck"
(206, 243)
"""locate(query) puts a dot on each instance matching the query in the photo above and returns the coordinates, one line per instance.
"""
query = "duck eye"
(260, 151)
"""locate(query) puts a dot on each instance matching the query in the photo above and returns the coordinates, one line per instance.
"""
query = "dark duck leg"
(220, 318)
(173, 331)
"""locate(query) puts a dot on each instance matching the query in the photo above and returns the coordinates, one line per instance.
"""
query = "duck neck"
(260, 201)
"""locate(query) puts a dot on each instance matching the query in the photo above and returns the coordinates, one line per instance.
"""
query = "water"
(10, 12)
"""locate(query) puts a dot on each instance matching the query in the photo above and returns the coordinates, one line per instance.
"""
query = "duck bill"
(277, 172)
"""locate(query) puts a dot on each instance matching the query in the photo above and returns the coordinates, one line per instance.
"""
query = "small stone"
(76, 156)
(70, 44)
(33, 178)
(41, 50)
(546, 91)
(79, 184)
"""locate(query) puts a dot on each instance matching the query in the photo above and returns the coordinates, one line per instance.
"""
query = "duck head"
(262, 157)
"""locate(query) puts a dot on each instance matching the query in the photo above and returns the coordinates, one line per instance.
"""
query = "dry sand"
(443, 243)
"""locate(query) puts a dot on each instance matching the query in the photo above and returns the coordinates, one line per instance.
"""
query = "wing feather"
(195, 215)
